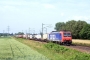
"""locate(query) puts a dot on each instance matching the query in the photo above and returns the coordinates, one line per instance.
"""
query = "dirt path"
(80, 48)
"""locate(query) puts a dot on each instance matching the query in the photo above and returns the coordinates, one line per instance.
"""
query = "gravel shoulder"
(80, 48)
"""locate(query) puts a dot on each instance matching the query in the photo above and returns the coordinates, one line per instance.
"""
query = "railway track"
(85, 49)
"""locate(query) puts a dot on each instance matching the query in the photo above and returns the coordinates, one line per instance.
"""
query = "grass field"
(54, 51)
(81, 41)
(10, 49)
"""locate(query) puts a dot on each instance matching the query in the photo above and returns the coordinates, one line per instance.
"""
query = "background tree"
(19, 33)
(74, 26)
(70, 26)
(79, 26)
(59, 26)
(85, 32)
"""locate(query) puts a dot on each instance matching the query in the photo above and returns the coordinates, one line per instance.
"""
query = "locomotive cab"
(66, 37)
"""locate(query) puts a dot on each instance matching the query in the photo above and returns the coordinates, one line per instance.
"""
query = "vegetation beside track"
(55, 51)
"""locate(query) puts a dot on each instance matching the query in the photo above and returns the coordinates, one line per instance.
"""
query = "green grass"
(69, 54)
(55, 52)
(10, 49)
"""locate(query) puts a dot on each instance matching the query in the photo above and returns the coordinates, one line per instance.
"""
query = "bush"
(56, 47)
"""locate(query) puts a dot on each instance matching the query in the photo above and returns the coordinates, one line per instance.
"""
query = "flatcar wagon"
(63, 37)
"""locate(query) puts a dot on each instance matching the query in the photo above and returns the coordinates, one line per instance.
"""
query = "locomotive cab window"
(67, 34)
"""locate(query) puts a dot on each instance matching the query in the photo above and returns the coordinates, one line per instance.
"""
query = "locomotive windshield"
(67, 34)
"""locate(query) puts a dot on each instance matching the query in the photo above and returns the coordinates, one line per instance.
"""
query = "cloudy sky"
(21, 15)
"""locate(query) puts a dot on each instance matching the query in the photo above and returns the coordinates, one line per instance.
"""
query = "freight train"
(62, 37)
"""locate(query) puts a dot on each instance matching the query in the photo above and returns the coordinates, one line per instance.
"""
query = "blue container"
(55, 36)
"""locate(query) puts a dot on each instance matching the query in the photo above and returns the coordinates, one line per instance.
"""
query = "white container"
(38, 36)
(45, 36)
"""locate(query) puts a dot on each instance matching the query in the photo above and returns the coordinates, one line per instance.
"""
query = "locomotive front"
(66, 37)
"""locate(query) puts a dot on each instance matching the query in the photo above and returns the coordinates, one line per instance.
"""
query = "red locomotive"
(63, 37)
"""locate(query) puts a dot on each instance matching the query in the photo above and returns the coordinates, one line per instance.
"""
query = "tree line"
(79, 29)
(19, 33)
(6, 34)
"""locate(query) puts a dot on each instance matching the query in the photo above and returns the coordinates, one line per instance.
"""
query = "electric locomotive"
(64, 37)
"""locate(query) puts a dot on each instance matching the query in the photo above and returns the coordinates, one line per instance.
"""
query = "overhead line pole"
(46, 30)
(29, 32)
(26, 34)
(42, 30)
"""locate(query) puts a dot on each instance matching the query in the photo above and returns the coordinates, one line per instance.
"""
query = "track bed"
(80, 48)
